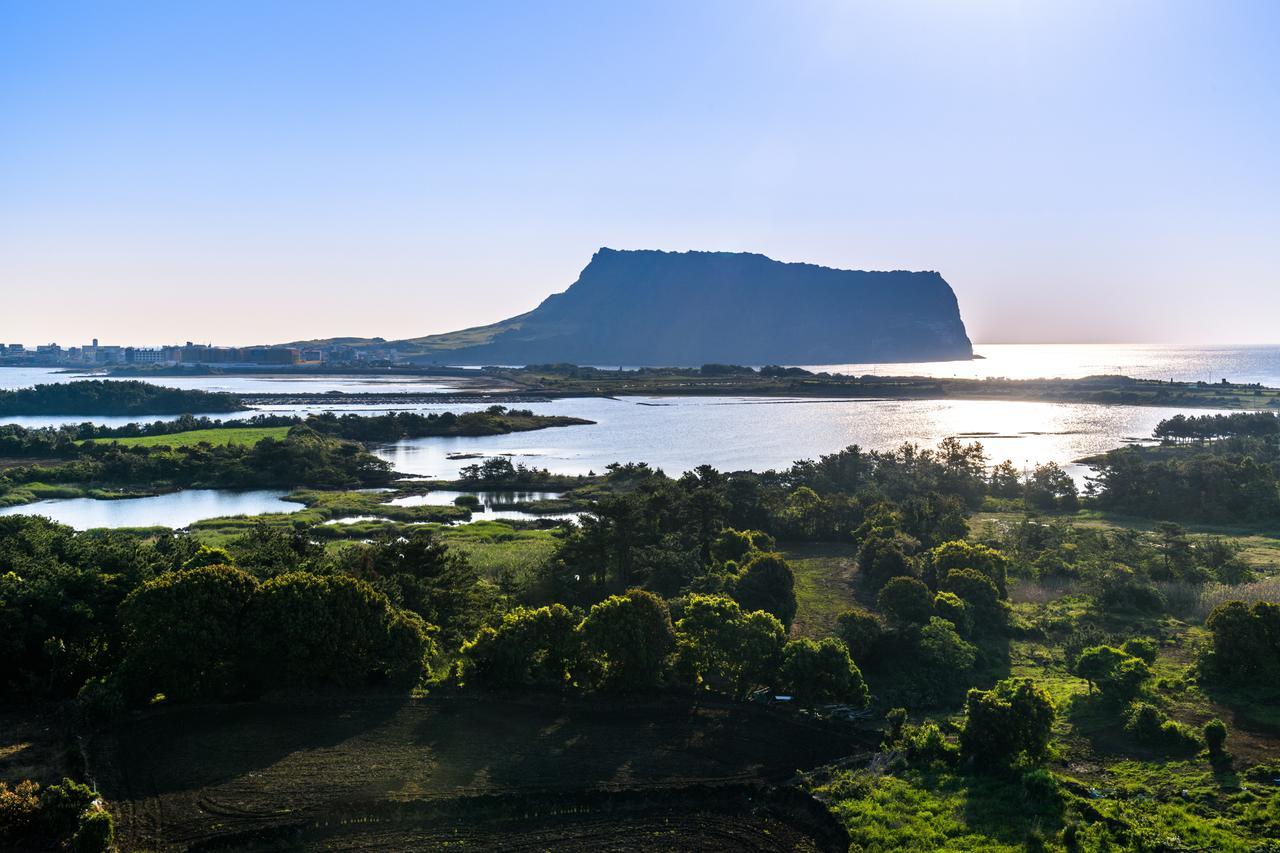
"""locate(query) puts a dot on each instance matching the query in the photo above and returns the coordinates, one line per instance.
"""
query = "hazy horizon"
(239, 173)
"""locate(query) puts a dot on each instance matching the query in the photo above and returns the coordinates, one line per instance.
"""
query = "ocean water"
(1247, 364)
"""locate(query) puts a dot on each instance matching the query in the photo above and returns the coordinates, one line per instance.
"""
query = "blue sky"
(245, 172)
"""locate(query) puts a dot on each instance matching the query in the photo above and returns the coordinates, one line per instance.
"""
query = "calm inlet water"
(731, 434)
(680, 433)
(177, 509)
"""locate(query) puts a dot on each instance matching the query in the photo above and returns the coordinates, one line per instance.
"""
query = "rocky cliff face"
(655, 308)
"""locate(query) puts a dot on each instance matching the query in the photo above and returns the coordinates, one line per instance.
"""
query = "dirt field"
(481, 773)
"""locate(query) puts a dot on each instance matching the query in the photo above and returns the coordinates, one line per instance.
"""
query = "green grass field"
(824, 584)
(231, 435)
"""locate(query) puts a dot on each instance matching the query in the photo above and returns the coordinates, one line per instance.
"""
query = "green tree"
(1009, 722)
(822, 672)
(980, 596)
(627, 640)
(944, 662)
(949, 607)
(1118, 675)
(906, 601)
(882, 558)
(767, 583)
(305, 630)
(734, 545)
(860, 630)
(420, 573)
(726, 649)
(951, 556)
(528, 648)
(183, 634)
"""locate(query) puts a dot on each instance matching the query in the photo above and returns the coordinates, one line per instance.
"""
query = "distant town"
(99, 355)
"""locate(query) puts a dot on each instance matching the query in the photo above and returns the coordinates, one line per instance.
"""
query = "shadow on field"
(189, 776)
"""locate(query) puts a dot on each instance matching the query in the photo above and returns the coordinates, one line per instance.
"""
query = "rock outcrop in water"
(657, 308)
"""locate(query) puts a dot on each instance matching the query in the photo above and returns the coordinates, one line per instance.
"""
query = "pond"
(494, 505)
(175, 509)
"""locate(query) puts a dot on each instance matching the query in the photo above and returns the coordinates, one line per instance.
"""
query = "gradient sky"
(266, 171)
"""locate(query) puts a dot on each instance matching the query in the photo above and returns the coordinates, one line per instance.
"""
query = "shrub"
(1215, 738)
(1040, 786)
(1118, 675)
(1246, 641)
(735, 545)
(62, 805)
(906, 601)
(95, 833)
(1150, 727)
(950, 556)
(1143, 648)
(19, 807)
(305, 630)
(182, 634)
(897, 719)
(944, 661)
(926, 746)
(1124, 591)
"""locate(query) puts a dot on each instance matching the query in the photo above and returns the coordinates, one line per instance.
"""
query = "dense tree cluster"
(112, 397)
(1230, 481)
(1201, 428)
(302, 458)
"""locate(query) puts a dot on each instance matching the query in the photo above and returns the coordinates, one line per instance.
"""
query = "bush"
(950, 556)
(95, 833)
(1118, 675)
(19, 807)
(307, 630)
(182, 634)
(1215, 738)
(1246, 641)
(906, 601)
(943, 662)
(926, 746)
(1150, 727)
(1143, 648)
(1040, 786)
(62, 805)
(1121, 590)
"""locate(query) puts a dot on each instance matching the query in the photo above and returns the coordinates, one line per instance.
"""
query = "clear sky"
(266, 171)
